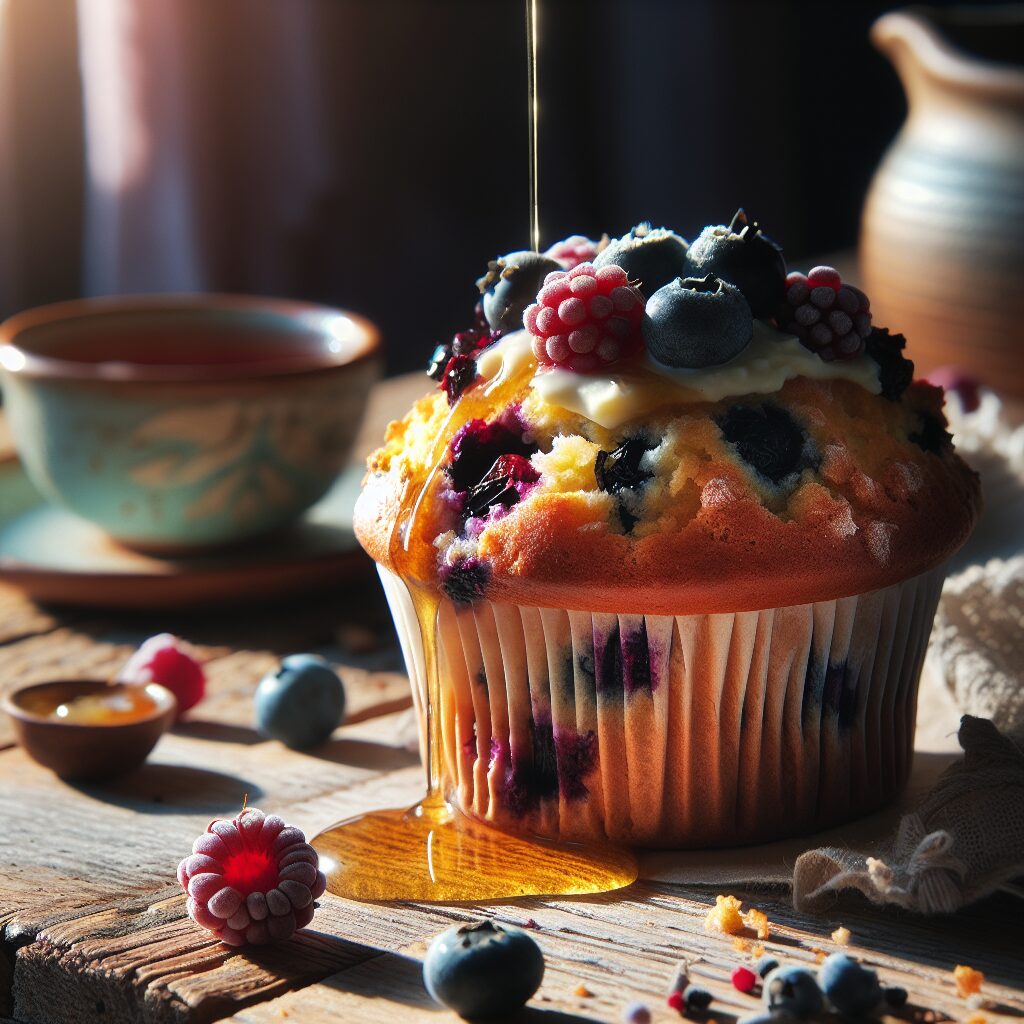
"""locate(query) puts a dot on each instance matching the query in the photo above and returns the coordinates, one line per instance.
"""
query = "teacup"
(179, 423)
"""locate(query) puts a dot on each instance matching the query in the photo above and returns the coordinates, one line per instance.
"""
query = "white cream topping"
(627, 392)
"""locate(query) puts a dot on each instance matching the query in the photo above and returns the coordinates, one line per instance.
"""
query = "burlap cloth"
(957, 834)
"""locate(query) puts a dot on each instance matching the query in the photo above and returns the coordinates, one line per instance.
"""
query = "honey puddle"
(432, 851)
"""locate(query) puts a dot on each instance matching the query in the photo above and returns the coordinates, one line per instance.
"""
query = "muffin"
(685, 517)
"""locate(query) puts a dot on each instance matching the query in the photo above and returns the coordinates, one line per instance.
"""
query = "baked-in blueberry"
(511, 284)
(745, 256)
(620, 470)
(483, 970)
(466, 581)
(477, 445)
(767, 438)
(696, 322)
(650, 256)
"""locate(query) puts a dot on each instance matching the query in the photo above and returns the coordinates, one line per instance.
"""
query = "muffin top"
(646, 426)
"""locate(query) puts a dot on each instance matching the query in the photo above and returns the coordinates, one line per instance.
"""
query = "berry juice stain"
(432, 852)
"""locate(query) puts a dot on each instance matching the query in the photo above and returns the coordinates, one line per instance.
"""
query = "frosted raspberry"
(574, 250)
(585, 319)
(166, 660)
(829, 317)
(252, 879)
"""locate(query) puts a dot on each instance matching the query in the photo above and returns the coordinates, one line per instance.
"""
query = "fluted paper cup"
(675, 731)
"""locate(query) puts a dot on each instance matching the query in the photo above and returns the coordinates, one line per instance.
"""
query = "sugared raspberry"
(166, 660)
(829, 317)
(252, 879)
(585, 319)
(574, 250)
(743, 979)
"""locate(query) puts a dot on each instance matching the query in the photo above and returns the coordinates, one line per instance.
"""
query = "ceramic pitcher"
(942, 239)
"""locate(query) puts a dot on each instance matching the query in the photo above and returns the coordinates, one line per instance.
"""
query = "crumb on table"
(725, 916)
(968, 980)
(841, 936)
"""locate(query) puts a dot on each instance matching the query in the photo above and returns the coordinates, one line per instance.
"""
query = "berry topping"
(650, 256)
(465, 343)
(301, 703)
(252, 879)
(961, 384)
(166, 660)
(510, 285)
(851, 988)
(697, 322)
(895, 371)
(477, 445)
(466, 581)
(767, 438)
(483, 970)
(576, 249)
(829, 317)
(585, 318)
(743, 979)
(793, 990)
(746, 257)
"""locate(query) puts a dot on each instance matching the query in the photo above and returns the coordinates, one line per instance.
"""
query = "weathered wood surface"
(92, 925)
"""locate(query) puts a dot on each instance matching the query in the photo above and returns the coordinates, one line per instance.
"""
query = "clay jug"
(942, 235)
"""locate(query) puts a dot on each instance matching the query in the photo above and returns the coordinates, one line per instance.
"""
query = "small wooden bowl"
(86, 752)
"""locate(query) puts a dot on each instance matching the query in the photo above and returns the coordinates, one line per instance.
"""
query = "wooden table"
(93, 925)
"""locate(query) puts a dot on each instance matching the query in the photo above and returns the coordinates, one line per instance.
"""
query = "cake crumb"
(725, 917)
(977, 1002)
(757, 952)
(757, 921)
(976, 1018)
(968, 980)
(841, 936)
(740, 944)
(819, 954)
(582, 991)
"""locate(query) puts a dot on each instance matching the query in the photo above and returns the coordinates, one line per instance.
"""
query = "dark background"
(673, 111)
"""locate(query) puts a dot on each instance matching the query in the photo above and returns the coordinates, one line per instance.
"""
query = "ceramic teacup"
(179, 423)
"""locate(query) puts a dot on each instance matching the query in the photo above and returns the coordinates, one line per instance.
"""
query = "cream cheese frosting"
(626, 392)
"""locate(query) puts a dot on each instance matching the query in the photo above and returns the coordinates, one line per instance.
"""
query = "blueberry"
(695, 322)
(696, 998)
(301, 703)
(767, 438)
(745, 256)
(466, 581)
(511, 284)
(895, 371)
(652, 256)
(850, 987)
(793, 990)
(895, 997)
(483, 970)
(766, 965)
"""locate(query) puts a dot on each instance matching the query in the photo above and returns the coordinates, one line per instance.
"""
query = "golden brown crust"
(720, 545)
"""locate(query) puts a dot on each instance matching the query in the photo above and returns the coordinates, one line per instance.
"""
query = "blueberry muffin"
(687, 515)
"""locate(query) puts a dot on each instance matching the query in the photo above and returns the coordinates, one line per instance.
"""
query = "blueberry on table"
(742, 254)
(696, 322)
(851, 988)
(301, 703)
(766, 965)
(650, 256)
(483, 970)
(511, 284)
(793, 990)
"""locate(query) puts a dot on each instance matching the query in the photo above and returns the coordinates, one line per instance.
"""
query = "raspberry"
(829, 317)
(675, 1001)
(251, 879)
(166, 660)
(585, 319)
(965, 387)
(743, 979)
(574, 250)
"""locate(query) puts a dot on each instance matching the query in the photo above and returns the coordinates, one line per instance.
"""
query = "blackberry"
(746, 257)
(932, 436)
(650, 256)
(620, 469)
(510, 285)
(697, 322)
(477, 445)
(496, 491)
(895, 371)
(767, 438)
(829, 317)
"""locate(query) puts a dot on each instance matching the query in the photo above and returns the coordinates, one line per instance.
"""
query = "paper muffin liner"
(675, 731)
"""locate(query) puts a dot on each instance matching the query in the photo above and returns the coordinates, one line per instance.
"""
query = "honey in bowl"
(122, 704)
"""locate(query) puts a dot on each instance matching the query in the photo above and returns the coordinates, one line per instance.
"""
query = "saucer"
(53, 556)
